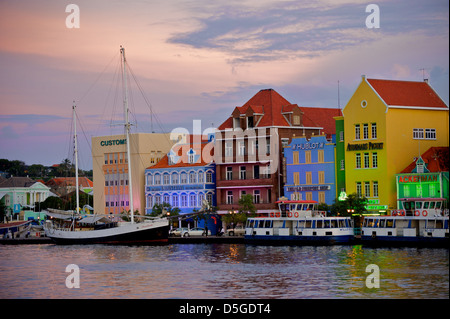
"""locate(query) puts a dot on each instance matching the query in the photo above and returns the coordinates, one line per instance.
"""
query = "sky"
(196, 60)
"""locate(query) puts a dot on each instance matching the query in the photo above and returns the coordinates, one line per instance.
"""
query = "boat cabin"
(421, 207)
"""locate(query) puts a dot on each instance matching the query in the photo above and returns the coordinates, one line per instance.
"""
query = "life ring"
(424, 213)
(290, 214)
(401, 213)
(271, 214)
(277, 214)
(417, 213)
(394, 212)
(296, 214)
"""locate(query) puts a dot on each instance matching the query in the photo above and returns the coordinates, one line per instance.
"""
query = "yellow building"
(110, 168)
(386, 124)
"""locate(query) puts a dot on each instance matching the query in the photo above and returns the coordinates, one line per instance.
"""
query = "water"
(222, 271)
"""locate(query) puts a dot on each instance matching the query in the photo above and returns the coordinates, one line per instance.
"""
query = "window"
(358, 188)
(192, 178)
(367, 189)
(308, 178)
(321, 177)
(183, 178)
(321, 197)
(375, 160)
(296, 120)
(374, 130)
(375, 189)
(268, 145)
(250, 122)
(229, 197)
(309, 196)
(256, 172)
(342, 164)
(229, 173)
(341, 136)
(417, 133)
(357, 132)
(241, 148)
(320, 156)
(157, 179)
(430, 133)
(242, 193)
(166, 179)
(296, 178)
(175, 200)
(209, 177)
(256, 196)
(209, 198)
(193, 200)
(358, 160)
(295, 157)
(175, 178)
(366, 160)
(183, 200)
(106, 158)
(365, 131)
(200, 177)
(191, 158)
(242, 172)
(166, 199)
(308, 157)
(228, 149)
(406, 192)
(158, 199)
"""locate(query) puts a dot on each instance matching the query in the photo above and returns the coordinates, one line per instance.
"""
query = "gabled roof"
(195, 142)
(13, 182)
(267, 102)
(435, 158)
(321, 117)
(407, 94)
(70, 181)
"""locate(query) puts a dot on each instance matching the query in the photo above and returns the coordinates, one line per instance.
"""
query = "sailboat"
(76, 227)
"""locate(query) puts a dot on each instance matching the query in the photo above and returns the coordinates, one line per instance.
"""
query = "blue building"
(310, 170)
(184, 178)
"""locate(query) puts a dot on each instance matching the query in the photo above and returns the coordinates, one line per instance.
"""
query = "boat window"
(438, 205)
(319, 224)
(426, 204)
(342, 223)
(301, 224)
(370, 222)
(268, 224)
(348, 223)
(430, 223)
(432, 205)
(293, 207)
(308, 224)
(333, 223)
(439, 224)
(408, 205)
(390, 223)
(251, 223)
(418, 205)
(326, 224)
(382, 221)
(261, 224)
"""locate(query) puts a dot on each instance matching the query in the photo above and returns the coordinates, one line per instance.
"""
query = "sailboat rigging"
(79, 228)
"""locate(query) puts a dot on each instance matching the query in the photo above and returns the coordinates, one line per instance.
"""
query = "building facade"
(183, 178)
(110, 168)
(386, 123)
(249, 148)
(310, 169)
(22, 193)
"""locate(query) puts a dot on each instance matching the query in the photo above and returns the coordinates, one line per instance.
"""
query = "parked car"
(236, 231)
(178, 232)
(195, 232)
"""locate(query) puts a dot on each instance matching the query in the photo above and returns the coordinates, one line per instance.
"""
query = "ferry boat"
(418, 221)
(76, 228)
(299, 223)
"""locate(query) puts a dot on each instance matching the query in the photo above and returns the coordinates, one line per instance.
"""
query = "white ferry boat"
(418, 221)
(299, 223)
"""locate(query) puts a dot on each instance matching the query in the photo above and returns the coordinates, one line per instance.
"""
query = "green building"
(340, 155)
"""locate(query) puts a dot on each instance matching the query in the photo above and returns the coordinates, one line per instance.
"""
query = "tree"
(353, 204)
(246, 204)
(158, 209)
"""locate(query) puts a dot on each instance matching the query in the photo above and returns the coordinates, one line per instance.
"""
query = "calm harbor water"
(222, 271)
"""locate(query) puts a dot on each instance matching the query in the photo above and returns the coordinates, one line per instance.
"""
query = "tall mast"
(76, 155)
(127, 129)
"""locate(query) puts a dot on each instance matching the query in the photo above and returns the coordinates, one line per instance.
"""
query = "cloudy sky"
(197, 59)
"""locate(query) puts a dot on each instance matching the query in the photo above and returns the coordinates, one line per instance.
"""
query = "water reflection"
(222, 271)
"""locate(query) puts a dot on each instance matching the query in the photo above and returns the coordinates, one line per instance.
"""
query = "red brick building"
(249, 147)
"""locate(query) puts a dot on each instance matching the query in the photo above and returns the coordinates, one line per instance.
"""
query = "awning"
(94, 219)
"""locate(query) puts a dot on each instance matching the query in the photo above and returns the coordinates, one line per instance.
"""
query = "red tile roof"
(70, 181)
(273, 105)
(407, 93)
(179, 149)
(436, 158)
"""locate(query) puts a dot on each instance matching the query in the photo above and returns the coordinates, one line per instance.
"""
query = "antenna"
(423, 74)
(339, 98)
